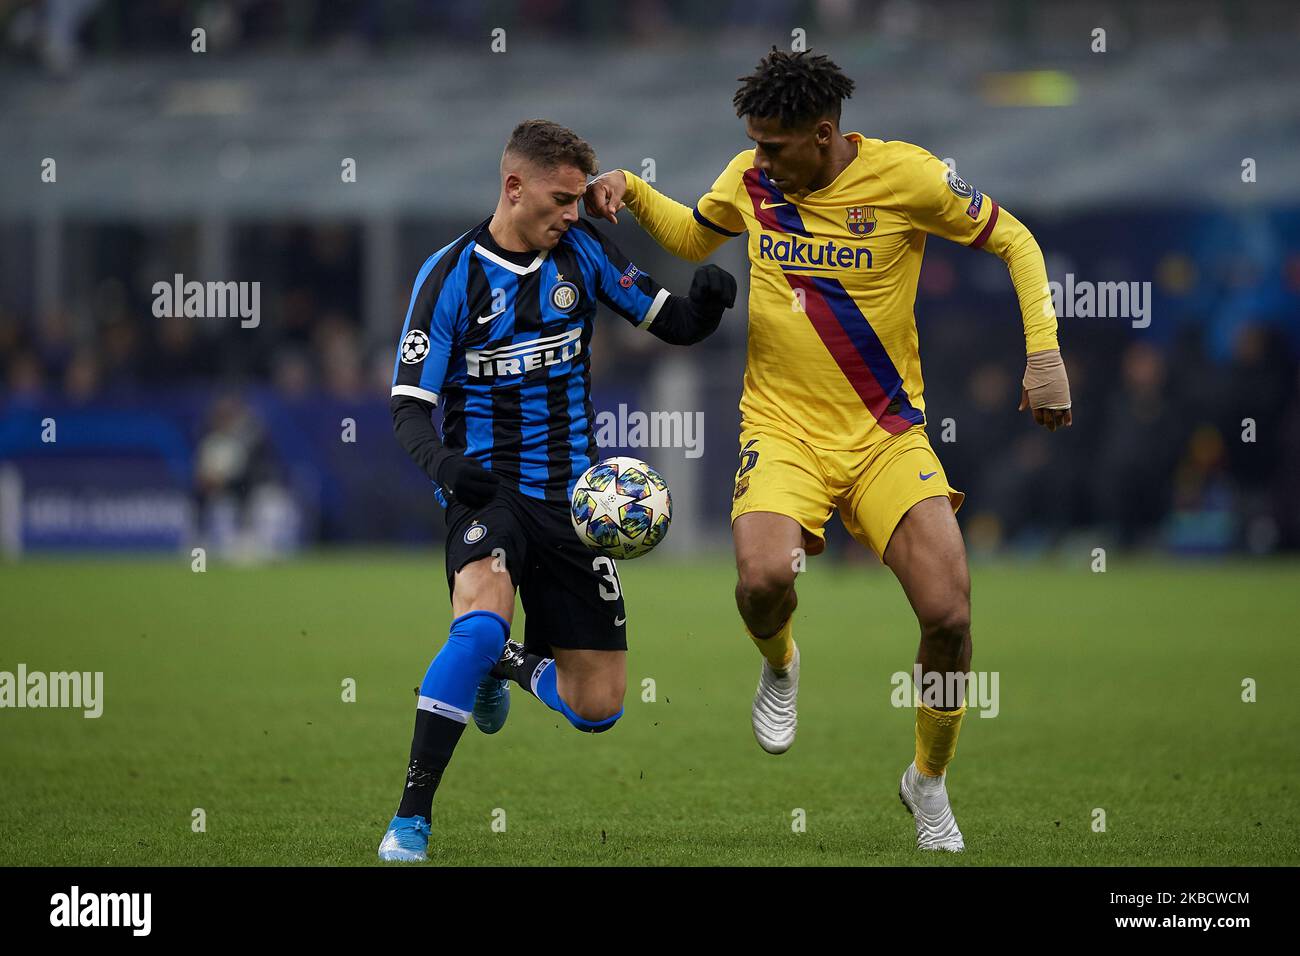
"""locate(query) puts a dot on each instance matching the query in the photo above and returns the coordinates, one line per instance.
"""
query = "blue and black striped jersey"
(501, 341)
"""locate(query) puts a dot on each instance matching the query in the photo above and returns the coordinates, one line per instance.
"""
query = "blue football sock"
(446, 702)
(472, 648)
(547, 691)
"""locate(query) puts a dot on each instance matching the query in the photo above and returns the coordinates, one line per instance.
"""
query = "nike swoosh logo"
(488, 318)
(925, 477)
(771, 205)
(620, 621)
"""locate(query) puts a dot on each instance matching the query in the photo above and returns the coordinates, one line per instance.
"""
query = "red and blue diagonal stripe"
(857, 350)
(784, 217)
(836, 318)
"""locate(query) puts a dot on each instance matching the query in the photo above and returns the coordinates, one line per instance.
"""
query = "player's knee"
(595, 711)
(948, 626)
(597, 707)
(764, 581)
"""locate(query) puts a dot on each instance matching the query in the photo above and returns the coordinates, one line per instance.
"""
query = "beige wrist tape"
(1045, 380)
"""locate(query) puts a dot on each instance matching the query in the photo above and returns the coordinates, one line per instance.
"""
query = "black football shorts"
(571, 595)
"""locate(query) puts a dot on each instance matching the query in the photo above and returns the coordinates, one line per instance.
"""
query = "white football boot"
(774, 715)
(926, 799)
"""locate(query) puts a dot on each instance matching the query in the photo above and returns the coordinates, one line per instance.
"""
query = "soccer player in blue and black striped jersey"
(498, 333)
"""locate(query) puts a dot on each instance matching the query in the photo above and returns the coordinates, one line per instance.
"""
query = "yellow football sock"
(936, 738)
(779, 648)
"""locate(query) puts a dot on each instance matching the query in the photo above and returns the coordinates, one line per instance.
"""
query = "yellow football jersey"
(833, 355)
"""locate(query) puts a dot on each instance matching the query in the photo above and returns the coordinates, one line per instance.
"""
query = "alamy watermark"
(979, 690)
(75, 908)
(208, 300)
(637, 429)
(1084, 299)
(79, 690)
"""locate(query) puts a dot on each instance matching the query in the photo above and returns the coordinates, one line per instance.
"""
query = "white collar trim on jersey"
(506, 264)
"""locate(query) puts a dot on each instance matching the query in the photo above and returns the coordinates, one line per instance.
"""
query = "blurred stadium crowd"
(1181, 440)
(1186, 435)
(57, 33)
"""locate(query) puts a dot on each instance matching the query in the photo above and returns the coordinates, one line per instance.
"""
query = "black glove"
(713, 291)
(471, 483)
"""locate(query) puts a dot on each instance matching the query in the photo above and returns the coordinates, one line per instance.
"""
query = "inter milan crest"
(861, 220)
(564, 295)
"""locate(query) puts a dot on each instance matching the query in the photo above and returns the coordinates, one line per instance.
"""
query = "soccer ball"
(621, 507)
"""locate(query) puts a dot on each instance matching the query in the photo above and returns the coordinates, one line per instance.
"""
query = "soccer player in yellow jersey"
(833, 413)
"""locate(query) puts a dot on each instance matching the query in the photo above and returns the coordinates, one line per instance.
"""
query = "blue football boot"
(492, 704)
(407, 840)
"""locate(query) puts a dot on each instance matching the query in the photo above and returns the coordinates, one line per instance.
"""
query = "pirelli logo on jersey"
(794, 253)
(521, 357)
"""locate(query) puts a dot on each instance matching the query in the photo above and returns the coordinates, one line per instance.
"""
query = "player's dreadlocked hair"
(795, 87)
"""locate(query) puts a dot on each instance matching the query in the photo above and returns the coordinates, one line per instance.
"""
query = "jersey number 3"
(610, 575)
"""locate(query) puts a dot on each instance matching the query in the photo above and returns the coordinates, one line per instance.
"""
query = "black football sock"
(518, 665)
(435, 738)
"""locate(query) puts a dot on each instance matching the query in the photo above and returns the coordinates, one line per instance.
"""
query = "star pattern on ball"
(610, 501)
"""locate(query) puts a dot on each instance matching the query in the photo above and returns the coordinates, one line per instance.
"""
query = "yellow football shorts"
(872, 489)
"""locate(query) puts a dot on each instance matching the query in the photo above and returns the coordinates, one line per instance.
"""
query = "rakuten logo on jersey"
(523, 357)
(796, 253)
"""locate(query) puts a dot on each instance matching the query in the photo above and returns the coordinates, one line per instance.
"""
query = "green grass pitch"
(223, 691)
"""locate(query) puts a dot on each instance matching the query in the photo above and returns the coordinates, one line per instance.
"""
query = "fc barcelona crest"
(861, 220)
